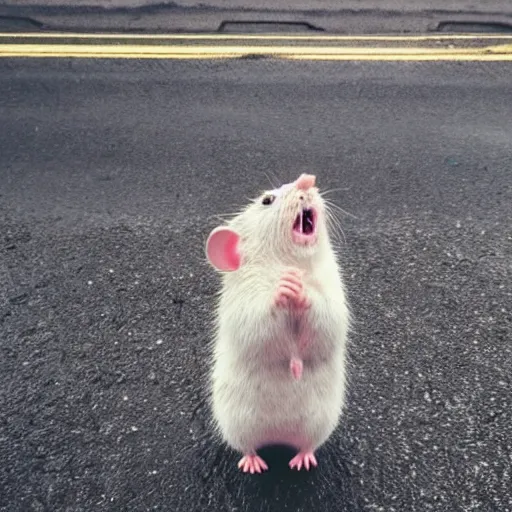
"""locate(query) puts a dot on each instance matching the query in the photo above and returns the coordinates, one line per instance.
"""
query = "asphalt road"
(111, 174)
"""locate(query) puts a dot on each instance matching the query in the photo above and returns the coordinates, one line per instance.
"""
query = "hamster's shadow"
(275, 485)
(280, 488)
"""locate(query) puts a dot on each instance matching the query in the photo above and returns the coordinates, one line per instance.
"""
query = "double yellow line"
(228, 46)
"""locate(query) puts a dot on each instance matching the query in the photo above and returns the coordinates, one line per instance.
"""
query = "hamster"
(282, 323)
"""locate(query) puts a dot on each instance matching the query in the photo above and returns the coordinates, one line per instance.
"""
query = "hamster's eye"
(268, 199)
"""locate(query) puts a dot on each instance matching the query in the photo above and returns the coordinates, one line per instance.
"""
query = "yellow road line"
(100, 49)
(248, 37)
(169, 51)
(405, 58)
(358, 58)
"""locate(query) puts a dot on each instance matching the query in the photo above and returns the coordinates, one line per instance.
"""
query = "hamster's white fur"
(255, 400)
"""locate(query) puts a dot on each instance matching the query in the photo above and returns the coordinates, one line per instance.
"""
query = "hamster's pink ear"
(222, 249)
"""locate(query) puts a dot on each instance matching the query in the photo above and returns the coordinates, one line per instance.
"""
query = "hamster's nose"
(305, 181)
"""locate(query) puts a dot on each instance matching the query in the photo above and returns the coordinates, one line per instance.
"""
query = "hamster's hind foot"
(306, 459)
(252, 464)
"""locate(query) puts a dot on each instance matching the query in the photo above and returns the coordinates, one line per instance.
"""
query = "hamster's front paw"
(290, 291)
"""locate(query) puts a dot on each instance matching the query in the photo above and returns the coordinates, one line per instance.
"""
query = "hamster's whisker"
(332, 190)
(240, 209)
(222, 215)
(219, 218)
(335, 225)
(277, 178)
(339, 208)
(273, 184)
(333, 231)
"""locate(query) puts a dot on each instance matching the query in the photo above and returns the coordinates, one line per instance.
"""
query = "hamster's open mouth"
(304, 227)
